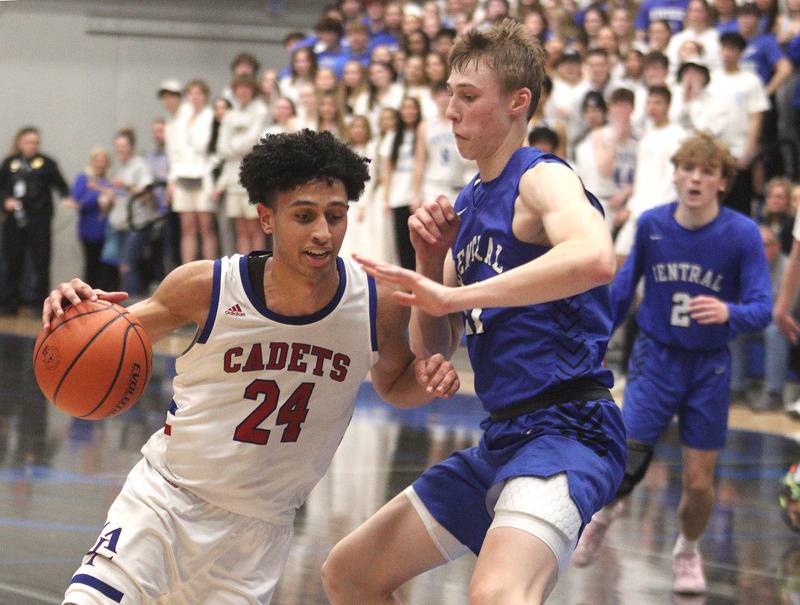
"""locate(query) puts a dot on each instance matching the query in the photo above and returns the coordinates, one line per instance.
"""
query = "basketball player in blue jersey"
(521, 261)
(706, 279)
(263, 395)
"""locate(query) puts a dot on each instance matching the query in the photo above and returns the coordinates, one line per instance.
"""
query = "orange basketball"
(94, 361)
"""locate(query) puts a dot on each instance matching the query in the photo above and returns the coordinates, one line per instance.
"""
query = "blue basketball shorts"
(585, 440)
(664, 382)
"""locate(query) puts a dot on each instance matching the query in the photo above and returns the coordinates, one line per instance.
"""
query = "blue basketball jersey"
(518, 352)
(724, 259)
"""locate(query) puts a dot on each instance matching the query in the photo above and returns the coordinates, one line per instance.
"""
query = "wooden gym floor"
(58, 476)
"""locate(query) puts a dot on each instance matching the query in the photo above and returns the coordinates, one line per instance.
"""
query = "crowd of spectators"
(627, 81)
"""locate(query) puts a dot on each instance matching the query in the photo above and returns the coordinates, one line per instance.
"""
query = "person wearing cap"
(745, 92)
(240, 129)
(170, 93)
(693, 106)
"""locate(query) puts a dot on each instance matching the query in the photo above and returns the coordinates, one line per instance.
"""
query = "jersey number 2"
(680, 310)
(292, 413)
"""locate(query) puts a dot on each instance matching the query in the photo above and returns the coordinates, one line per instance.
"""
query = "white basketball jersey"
(261, 401)
(445, 166)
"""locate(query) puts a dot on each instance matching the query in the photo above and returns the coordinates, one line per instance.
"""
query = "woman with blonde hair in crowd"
(360, 236)
(326, 81)
(330, 116)
(307, 105)
(268, 90)
(354, 85)
(383, 92)
(123, 246)
(436, 68)
(93, 195)
(377, 215)
(397, 168)
(416, 85)
(190, 173)
(284, 117)
(240, 130)
(302, 70)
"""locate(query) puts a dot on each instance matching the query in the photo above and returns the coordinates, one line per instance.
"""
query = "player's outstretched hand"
(437, 375)
(427, 295)
(708, 310)
(788, 326)
(433, 228)
(73, 292)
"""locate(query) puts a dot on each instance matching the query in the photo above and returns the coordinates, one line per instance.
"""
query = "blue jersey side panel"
(724, 259)
(518, 352)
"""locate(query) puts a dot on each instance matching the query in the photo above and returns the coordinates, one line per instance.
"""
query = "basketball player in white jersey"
(262, 397)
(439, 168)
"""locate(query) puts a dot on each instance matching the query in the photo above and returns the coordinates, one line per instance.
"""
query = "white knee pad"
(542, 508)
(446, 542)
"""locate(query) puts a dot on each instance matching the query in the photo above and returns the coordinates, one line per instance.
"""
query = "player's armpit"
(183, 297)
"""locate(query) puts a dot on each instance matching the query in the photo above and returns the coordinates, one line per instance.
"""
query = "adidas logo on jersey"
(235, 310)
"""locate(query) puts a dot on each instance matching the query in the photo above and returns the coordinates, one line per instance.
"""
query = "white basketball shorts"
(162, 544)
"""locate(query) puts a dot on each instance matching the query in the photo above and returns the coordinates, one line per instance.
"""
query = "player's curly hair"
(281, 162)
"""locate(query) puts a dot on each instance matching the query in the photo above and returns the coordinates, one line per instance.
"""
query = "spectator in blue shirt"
(726, 16)
(93, 195)
(762, 53)
(672, 11)
(765, 57)
(357, 47)
(379, 34)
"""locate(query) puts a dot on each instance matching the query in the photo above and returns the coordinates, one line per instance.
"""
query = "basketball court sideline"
(59, 475)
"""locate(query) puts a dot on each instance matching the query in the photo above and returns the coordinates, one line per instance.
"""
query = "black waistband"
(578, 389)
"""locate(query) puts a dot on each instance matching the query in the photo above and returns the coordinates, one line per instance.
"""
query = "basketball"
(94, 361)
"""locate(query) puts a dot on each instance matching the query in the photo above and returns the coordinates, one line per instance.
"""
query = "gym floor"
(59, 475)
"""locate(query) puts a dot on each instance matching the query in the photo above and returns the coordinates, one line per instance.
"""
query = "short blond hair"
(705, 149)
(510, 51)
(93, 153)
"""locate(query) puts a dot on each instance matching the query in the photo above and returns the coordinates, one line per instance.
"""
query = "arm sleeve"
(772, 51)
(754, 310)
(623, 288)
(87, 198)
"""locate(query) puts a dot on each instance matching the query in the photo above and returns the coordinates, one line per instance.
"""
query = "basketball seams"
(85, 359)
(148, 353)
(66, 321)
(116, 373)
(80, 353)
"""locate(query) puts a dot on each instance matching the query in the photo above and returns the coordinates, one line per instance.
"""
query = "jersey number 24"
(292, 413)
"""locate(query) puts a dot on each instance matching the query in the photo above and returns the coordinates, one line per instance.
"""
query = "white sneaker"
(589, 545)
(689, 576)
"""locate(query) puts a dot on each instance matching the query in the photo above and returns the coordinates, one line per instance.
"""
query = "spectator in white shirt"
(748, 101)
(652, 183)
(190, 172)
(239, 131)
